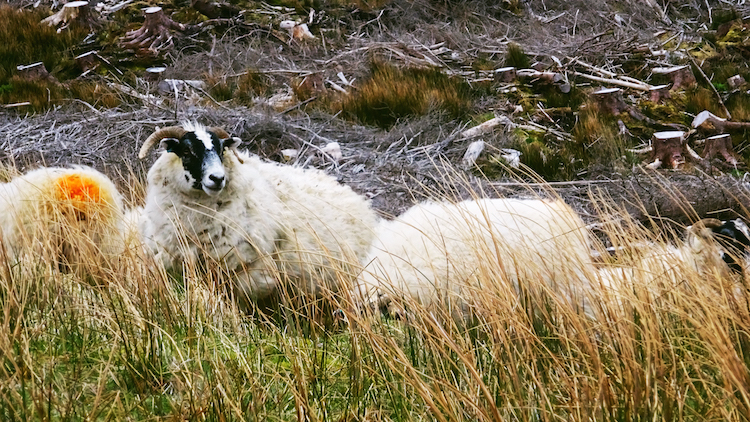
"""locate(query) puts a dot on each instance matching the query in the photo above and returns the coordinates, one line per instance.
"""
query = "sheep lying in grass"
(72, 216)
(265, 224)
(456, 254)
(711, 250)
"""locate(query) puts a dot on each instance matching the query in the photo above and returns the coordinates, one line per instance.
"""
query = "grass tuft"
(392, 94)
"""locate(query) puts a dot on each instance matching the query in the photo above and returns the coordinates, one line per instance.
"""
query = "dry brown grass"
(391, 94)
(147, 343)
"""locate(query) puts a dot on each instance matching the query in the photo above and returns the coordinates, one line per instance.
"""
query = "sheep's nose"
(218, 179)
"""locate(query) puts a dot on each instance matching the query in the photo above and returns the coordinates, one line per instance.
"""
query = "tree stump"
(312, 85)
(154, 35)
(680, 76)
(721, 145)
(736, 82)
(505, 74)
(709, 124)
(74, 12)
(35, 72)
(670, 149)
(87, 61)
(297, 31)
(551, 78)
(154, 73)
(659, 93)
(610, 101)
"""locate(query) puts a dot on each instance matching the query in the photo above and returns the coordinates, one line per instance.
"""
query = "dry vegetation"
(395, 84)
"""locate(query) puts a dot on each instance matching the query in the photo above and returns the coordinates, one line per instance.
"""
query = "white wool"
(270, 225)
(37, 222)
(439, 252)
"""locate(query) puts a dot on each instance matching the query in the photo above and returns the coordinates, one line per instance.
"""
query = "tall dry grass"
(147, 345)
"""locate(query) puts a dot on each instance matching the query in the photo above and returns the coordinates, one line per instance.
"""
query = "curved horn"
(167, 132)
(221, 133)
(709, 223)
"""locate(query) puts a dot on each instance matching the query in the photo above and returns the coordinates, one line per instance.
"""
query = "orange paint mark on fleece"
(79, 188)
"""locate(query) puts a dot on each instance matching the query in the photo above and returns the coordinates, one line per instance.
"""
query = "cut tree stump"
(35, 72)
(297, 31)
(659, 93)
(87, 61)
(74, 12)
(709, 124)
(505, 74)
(669, 149)
(610, 101)
(736, 82)
(552, 78)
(720, 145)
(680, 76)
(154, 35)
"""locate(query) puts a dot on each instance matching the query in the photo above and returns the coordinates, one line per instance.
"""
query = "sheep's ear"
(170, 144)
(231, 142)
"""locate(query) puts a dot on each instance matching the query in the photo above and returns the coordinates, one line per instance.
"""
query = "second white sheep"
(451, 254)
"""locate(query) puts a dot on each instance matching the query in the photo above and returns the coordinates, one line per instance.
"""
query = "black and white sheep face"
(202, 154)
(734, 238)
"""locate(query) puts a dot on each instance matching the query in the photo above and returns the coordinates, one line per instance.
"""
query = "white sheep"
(453, 254)
(711, 250)
(70, 215)
(267, 225)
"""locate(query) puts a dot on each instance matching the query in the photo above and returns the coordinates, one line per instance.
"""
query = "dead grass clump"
(597, 136)
(699, 99)
(41, 94)
(96, 94)
(243, 89)
(392, 94)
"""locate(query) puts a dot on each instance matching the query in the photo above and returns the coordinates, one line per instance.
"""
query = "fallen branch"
(639, 86)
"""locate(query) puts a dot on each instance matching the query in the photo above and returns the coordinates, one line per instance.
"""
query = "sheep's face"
(734, 238)
(202, 154)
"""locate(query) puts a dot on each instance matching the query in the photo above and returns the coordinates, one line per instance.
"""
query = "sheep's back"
(76, 209)
(328, 226)
(436, 249)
